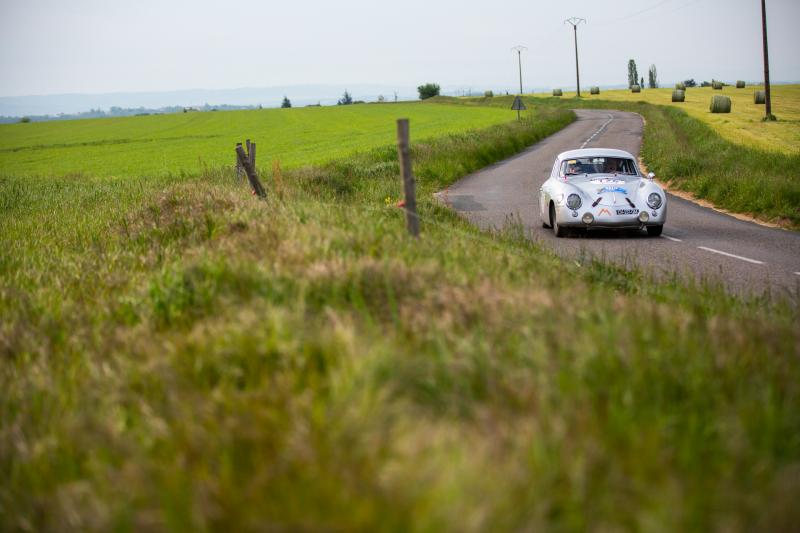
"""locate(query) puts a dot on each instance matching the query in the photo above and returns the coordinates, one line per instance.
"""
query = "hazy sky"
(93, 46)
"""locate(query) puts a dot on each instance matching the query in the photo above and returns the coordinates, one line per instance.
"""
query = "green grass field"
(178, 355)
(190, 142)
(743, 125)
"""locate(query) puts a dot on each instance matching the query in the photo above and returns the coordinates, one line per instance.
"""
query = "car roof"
(594, 152)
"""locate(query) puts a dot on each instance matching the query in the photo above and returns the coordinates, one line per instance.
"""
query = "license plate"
(627, 211)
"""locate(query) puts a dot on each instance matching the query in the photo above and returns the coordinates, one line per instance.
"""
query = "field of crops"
(187, 143)
(743, 125)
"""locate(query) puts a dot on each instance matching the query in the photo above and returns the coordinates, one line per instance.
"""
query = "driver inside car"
(612, 166)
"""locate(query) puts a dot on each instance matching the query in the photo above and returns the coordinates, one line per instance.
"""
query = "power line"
(634, 14)
(627, 18)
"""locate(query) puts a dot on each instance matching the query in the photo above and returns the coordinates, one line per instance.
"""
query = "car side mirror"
(651, 175)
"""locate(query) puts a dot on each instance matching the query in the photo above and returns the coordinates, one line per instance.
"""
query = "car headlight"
(654, 200)
(574, 201)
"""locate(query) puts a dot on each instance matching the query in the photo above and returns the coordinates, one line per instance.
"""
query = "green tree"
(652, 77)
(633, 74)
(428, 90)
(346, 99)
(286, 102)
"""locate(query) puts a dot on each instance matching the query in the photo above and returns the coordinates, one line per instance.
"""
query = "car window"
(598, 165)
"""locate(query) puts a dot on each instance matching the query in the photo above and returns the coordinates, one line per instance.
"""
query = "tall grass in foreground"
(178, 355)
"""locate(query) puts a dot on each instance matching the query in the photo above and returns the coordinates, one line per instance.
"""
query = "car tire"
(558, 230)
(654, 231)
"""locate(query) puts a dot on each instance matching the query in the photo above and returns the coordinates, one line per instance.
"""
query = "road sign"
(518, 105)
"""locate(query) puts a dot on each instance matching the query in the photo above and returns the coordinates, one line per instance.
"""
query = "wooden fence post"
(404, 153)
(244, 161)
(238, 165)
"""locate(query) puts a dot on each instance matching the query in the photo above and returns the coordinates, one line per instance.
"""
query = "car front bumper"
(618, 217)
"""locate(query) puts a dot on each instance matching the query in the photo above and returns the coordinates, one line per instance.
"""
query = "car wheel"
(654, 231)
(558, 229)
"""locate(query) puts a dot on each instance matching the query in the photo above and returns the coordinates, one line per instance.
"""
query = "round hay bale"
(680, 87)
(678, 96)
(760, 97)
(720, 104)
(717, 85)
(595, 90)
(636, 89)
(740, 84)
(557, 92)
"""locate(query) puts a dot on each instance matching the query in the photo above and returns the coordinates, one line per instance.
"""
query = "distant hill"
(300, 95)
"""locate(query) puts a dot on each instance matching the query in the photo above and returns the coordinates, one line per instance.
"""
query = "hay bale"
(636, 89)
(720, 104)
(740, 84)
(760, 97)
(717, 85)
(680, 87)
(595, 90)
(557, 92)
(678, 96)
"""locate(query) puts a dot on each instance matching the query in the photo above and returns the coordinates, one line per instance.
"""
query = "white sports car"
(601, 188)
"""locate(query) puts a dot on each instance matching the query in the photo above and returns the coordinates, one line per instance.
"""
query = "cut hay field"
(743, 125)
(187, 143)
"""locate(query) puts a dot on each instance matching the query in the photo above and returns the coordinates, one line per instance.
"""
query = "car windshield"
(598, 165)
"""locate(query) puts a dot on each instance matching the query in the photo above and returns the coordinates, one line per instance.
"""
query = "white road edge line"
(754, 261)
(595, 134)
(674, 239)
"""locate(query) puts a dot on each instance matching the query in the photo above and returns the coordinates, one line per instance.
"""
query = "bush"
(25, 120)
(428, 90)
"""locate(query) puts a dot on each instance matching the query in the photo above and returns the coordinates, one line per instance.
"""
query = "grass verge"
(183, 356)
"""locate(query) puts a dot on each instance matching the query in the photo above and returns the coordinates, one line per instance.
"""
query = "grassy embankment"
(706, 154)
(184, 356)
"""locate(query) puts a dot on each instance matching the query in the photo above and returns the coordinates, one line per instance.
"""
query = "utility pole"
(766, 61)
(574, 21)
(518, 49)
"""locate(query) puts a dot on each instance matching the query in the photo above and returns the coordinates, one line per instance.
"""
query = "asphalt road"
(697, 241)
